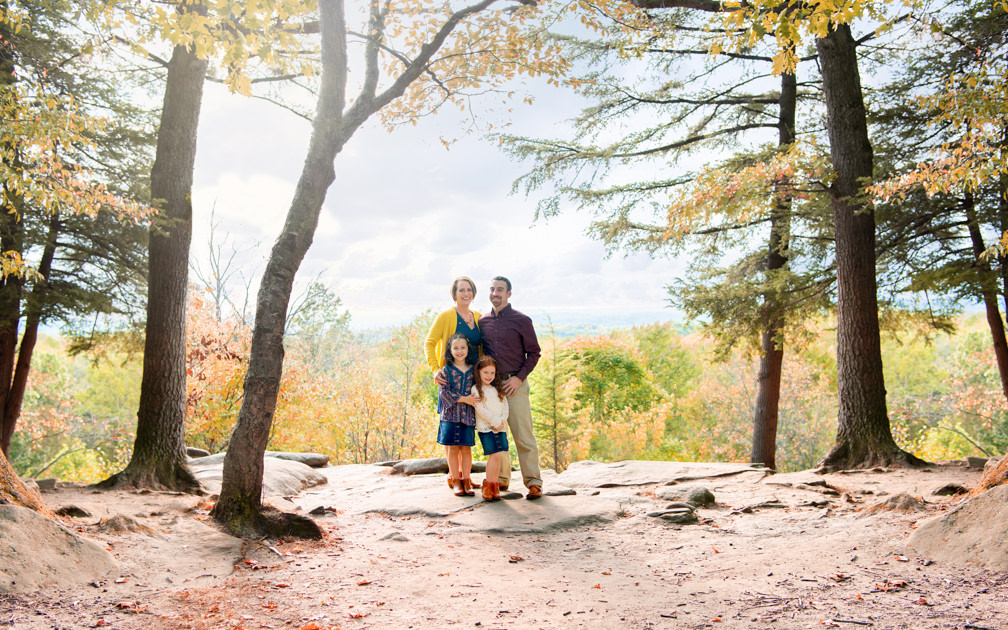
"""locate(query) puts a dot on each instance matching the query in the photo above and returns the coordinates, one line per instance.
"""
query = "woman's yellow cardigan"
(440, 332)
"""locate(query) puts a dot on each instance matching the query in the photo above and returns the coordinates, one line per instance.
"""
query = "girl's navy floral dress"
(458, 420)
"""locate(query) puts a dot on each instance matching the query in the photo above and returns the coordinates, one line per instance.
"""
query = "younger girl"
(491, 418)
(455, 405)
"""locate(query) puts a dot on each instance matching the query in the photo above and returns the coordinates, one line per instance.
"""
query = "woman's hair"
(448, 358)
(472, 285)
(484, 361)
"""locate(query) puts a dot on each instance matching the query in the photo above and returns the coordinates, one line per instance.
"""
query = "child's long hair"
(448, 358)
(484, 361)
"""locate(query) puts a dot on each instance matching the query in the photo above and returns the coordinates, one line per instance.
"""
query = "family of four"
(481, 364)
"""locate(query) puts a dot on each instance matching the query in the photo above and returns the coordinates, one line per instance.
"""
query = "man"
(508, 336)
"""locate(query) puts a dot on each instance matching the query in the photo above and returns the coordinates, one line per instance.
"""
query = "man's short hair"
(504, 280)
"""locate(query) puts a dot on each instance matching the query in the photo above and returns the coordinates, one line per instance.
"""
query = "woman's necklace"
(467, 317)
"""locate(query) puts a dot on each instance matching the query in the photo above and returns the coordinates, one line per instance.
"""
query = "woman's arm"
(435, 339)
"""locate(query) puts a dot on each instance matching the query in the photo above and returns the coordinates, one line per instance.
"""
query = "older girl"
(455, 406)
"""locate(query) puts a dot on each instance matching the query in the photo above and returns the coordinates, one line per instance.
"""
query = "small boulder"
(977, 462)
(695, 495)
(950, 490)
(194, 453)
(901, 502)
(421, 466)
(560, 492)
(430, 466)
(679, 516)
(73, 511)
(315, 460)
(121, 523)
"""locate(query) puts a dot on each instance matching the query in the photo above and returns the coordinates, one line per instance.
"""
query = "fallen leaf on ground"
(363, 582)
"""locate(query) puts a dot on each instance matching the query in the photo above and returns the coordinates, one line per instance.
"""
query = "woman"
(458, 320)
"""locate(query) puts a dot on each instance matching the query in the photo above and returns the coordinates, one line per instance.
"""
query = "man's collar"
(506, 307)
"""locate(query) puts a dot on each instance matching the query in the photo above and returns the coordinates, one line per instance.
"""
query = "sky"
(405, 217)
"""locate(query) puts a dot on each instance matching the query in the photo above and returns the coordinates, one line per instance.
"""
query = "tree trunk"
(864, 438)
(996, 476)
(159, 459)
(988, 291)
(11, 239)
(239, 507)
(768, 381)
(33, 316)
(14, 492)
(10, 316)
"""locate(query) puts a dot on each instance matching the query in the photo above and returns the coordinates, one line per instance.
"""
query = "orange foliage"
(351, 415)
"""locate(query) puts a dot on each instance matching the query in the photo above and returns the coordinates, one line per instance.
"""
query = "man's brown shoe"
(534, 492)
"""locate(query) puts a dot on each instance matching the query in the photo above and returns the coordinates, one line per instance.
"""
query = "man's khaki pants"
(523, 436)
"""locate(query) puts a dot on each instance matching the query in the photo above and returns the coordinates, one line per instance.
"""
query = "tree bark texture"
(158, 459)
(988, 284)
(996, 476)
(864, 438)
(239, 507)
(11, 239)
(14, 492)
(11, 288)
(240, 504)
(33, 316)
(768, 380)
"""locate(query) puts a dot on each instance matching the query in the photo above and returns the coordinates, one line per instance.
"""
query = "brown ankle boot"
(488, 490)
(467, 487)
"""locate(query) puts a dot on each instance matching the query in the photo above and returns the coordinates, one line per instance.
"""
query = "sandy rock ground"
(796, 550)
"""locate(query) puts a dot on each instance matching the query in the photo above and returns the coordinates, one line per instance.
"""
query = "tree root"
(992, 478)
(269, 522)
(178, 479)
(841, 457)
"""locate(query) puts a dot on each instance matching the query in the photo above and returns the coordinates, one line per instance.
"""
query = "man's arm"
(530, 345)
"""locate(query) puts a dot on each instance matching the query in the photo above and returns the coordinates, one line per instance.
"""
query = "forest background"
(677, 391)
(658, 391)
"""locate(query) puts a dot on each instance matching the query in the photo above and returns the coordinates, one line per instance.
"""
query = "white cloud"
(403, 217)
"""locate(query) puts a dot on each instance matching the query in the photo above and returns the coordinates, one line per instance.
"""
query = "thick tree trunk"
(10, 240)
(864, 438)
(240, 504)
(768, 381)
(14, 492)
(10, 317)
(996, 476)
(159, 459)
